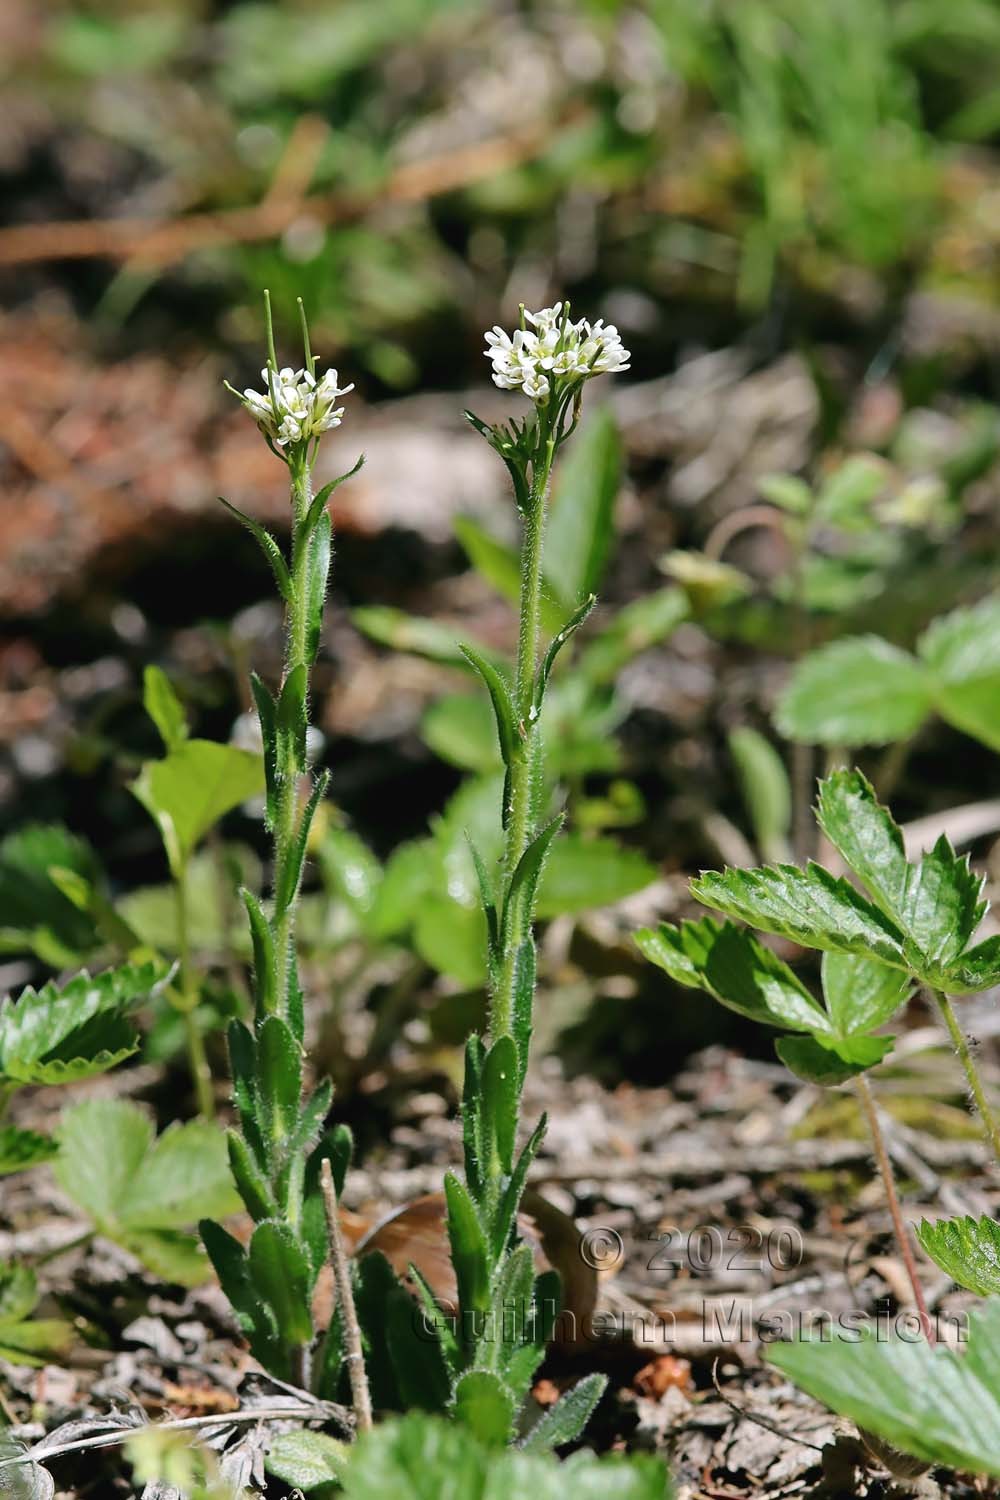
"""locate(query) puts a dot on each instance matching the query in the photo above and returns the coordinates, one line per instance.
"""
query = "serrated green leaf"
(581, 518)
(864, 833)
(767, 792)
(191, 789)
(21, 1149)
(810, 906)
(164, 707)
(859, 691)
(736, 969)
(943, 905)
(861, 994)
(977, 969)
(582, 874)
(484, 1405)
(930, 1403)
(306, 1460)
(565, 1421)
(967, 1249)
(57, 1034)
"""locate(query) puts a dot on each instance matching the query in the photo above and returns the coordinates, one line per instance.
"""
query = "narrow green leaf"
(555, 646)
(279, 1075)
(317, 577)
(500, 565)
(403, 632)
(519, 907)
(267, 714)
(265, 974)
(469, 1253)
(511, 1201)
(291, 869)
(472, 1125)
(484, 1405)
(268, 546)
(503, 707)
(251, 1181)
(291, 720)
(581, 520)
(229, 1261)
(967, 1249)
(321, 498)
(417, 1358)
(525, 964)
(860, 691)
(564, 1422)
(787, 491)
(501, 1097)
(164, 707)
(642, 624)
(280, 1275)
(766, 789)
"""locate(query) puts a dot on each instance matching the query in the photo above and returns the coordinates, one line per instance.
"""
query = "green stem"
(286, 820)
(526, 767)
(991, 1127)
(895, 1211)
(201, 1073)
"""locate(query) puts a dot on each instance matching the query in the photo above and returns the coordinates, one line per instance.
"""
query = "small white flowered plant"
(549, 354)
(294, 408)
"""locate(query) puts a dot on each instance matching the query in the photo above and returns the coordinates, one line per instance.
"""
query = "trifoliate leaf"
(810, 906)
(934, 1404)
(859, 691)
(55, 1035)
(967, 1249)
(736, 969)
(140, 1190)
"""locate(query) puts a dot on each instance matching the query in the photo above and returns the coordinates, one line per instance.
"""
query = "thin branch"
(354, 1357)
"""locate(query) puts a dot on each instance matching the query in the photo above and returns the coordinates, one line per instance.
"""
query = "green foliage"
(142, 1190)
(23, 1148)
(581, 525)
(864, 691)
(935, 1404)
(967, 1249)
(766, 790)
(421, 1456)
(307, 1460)
(191, 790)
(836, 1040)
(25, 1339)
(921, 917)
(37, 914)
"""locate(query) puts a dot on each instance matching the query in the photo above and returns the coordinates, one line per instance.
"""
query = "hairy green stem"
(286, 819)
(991, 1127)
(201, 1073)
(892, 1197)
(526, 768)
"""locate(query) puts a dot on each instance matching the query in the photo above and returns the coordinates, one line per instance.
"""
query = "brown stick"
(898, 1224)
(354, 1358)
(155, 243)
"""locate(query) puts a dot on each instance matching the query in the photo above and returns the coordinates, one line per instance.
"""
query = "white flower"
(294, 407)
(551, 351)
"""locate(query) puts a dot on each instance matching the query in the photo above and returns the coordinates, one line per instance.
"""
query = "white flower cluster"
(300, 406)
(553, 348)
